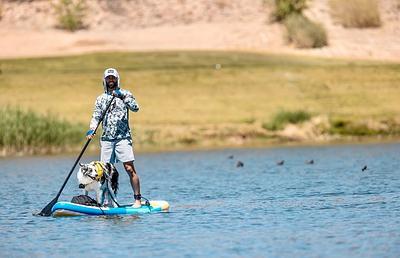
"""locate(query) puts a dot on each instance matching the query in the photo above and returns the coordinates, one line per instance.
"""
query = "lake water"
(327, 209)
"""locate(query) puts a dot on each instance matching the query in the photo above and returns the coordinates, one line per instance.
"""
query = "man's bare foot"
(137, 204)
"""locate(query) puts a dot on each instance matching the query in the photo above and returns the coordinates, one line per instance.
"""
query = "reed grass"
(25, 131)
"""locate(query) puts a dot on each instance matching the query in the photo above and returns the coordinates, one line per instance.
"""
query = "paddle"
(47, 210)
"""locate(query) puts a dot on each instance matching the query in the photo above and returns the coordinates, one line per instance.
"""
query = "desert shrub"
(70, 14)
(356, 13)
(283, 118)
(305, 33)
(285, 8)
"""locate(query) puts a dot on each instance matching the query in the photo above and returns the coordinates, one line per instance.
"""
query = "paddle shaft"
(80, 154)
(73, 168)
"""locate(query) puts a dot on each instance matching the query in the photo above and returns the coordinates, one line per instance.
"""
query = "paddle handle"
(84, 149)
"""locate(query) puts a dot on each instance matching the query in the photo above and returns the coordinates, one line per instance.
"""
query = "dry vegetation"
(356, 13)
(305, 33)
(285, 8)
(300, 30)
(70, 14)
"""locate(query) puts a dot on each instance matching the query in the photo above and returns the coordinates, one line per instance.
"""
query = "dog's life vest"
(100, 169)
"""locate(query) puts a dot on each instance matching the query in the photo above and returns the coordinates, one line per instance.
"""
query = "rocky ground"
(28, 28)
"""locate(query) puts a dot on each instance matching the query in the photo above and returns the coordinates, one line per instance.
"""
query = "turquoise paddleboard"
(73, 209)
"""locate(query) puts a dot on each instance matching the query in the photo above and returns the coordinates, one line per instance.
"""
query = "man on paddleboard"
(116, 140)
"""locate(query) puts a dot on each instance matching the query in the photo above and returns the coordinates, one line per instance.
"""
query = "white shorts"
(118, 150)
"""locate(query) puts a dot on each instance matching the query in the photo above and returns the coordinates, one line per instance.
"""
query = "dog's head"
(98, 172)
(89, 173)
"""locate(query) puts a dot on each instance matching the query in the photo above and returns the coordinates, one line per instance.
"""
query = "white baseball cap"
(108, 72)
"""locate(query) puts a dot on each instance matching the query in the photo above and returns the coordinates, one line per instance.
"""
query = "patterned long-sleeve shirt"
(116, 121)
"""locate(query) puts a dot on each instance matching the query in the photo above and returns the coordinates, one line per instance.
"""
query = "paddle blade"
(47, 210)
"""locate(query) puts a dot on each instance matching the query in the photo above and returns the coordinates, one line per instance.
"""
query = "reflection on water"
(329, 208)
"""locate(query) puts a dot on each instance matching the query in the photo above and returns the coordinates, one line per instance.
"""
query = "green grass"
(185, 87)
(283, 118)
(25, 131)
(181, 90)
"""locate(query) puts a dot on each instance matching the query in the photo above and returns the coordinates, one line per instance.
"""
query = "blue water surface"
(327, 209)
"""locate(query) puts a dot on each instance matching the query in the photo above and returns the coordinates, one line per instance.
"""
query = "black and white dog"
(102, 178)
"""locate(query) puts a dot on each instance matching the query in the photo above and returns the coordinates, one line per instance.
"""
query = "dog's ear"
(109, 167)
(114, 179)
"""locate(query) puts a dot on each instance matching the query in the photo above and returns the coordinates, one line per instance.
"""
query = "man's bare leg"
(134, 179)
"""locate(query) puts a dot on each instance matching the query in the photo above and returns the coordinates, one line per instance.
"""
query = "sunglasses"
(111, 78)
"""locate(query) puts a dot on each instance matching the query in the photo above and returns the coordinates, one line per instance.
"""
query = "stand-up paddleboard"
(74, 209)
